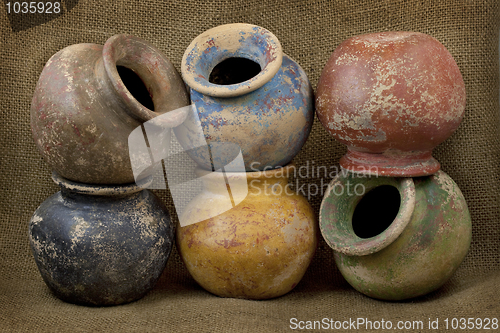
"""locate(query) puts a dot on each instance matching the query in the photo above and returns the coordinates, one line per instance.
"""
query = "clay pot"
(88, 100)
(250, 96)
(391, 97)
(100, 245)
(396, 238)
(258, 249)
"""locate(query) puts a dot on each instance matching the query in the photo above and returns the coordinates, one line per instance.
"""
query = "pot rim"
(150, 66)
(231, 40)
(336, 225)
(97, 189)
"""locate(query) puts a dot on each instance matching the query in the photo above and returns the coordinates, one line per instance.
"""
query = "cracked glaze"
(395, 94)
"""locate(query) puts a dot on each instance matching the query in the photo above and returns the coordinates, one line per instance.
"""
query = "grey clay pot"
(82, 111)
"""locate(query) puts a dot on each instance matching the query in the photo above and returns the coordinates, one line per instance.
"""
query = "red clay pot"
(391, 97)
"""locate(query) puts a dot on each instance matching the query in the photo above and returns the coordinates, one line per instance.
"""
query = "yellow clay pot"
(258, 249)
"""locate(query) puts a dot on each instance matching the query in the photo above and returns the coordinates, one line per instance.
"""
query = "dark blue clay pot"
(101, 245)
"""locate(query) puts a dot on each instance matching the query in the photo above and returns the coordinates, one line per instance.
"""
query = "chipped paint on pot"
(259, 249)
(417, 253)
(82, 113)
(391, 97)
(268, 116)
(100, 245)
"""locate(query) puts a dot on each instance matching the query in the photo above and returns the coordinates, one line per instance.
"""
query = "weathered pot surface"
(100, 245)
(396, 238)
(266, 112)
(88, 100)
(260, 248)
(391, 97)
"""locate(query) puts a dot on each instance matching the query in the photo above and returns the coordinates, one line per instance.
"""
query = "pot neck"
(156, 72)
(74, 189)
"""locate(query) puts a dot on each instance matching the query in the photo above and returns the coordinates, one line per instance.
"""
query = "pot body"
(259, 249)
(101, 245)
(82, 113)
(391, 97)
(417, 253)
(267, 117)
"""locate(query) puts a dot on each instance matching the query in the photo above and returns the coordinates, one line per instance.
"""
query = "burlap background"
(309, 31)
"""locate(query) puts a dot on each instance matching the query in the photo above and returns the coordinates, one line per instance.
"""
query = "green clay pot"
(396, 238)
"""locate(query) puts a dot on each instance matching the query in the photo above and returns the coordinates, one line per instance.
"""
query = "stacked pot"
(398, 224)
(248, 234)
(404, 227)
(103, 239)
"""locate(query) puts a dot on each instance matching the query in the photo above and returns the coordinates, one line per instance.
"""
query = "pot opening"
(136, 86)
(376, 210)
(234, 70)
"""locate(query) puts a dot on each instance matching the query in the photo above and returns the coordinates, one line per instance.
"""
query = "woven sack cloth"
(309, 32)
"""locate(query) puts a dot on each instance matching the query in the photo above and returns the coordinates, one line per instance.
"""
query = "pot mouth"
(96, 189)
(149, 66)
(237, 40)
(339, 206)
(387, 37)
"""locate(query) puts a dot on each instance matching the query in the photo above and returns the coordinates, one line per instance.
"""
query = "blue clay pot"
(100, 245)
(267, 117)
